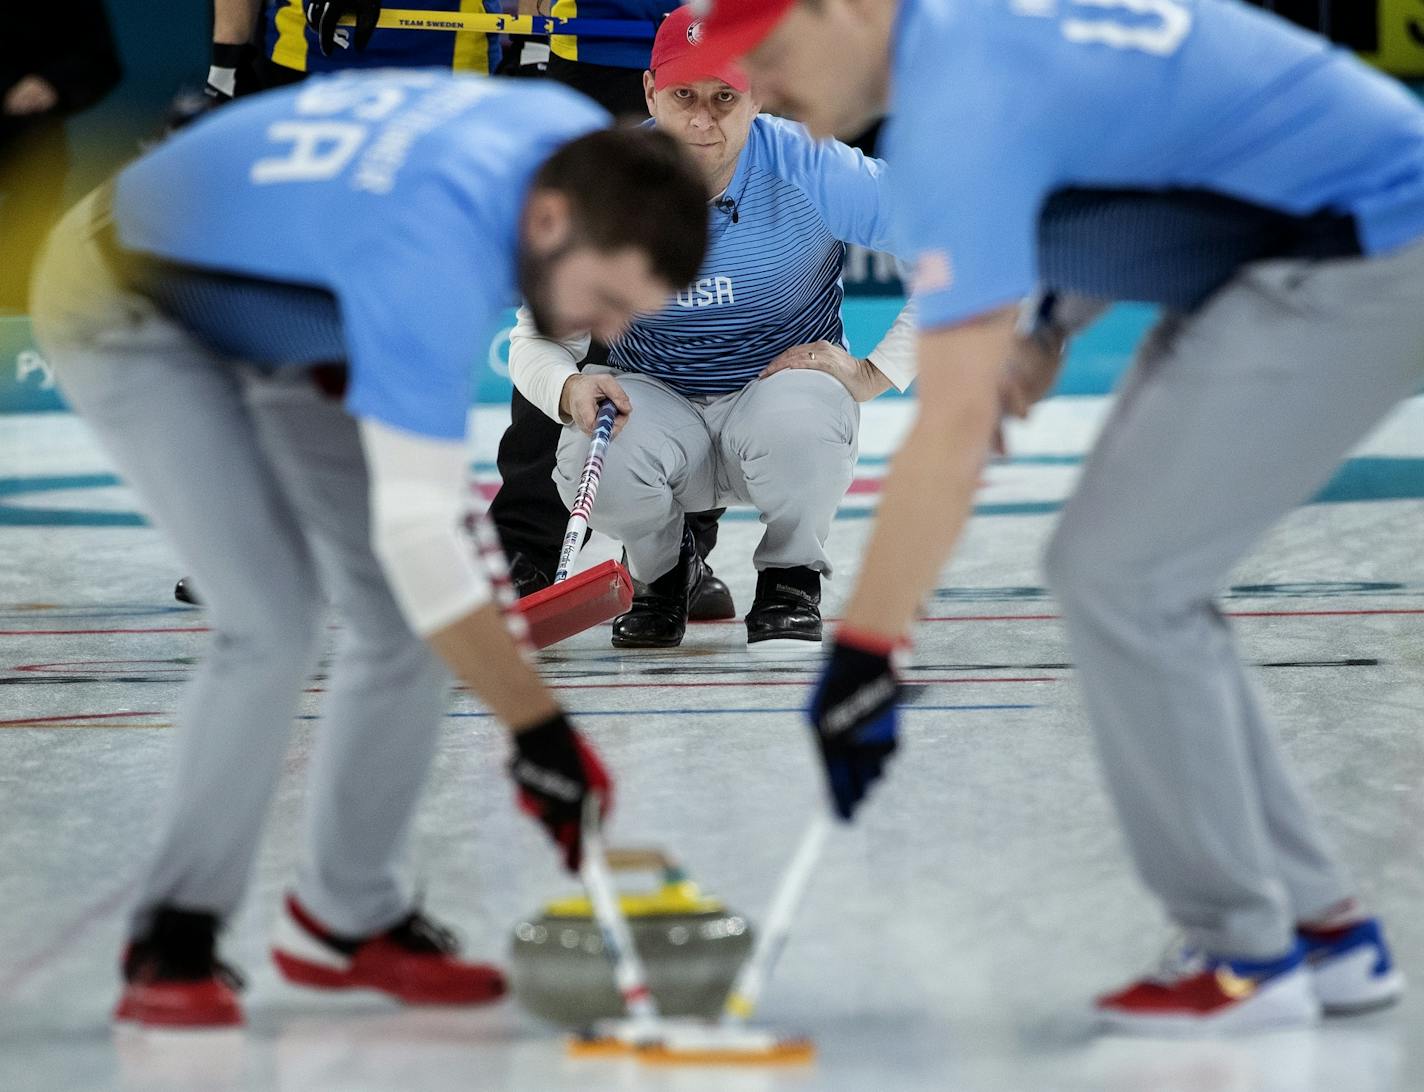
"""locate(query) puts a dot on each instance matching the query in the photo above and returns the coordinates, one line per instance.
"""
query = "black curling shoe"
(711, 599)
(527, 577)
(659, 615)
(786, 613)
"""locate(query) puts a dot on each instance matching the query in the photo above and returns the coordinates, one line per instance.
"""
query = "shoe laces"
(419, 934)
(181, 946)
(229, 976)
(1180, 960)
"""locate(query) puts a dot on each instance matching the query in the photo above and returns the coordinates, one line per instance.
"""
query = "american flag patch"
(934, 272)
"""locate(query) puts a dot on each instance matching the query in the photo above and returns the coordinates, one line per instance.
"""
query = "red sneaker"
(415, 961)
(1197, 994)
(172, 977)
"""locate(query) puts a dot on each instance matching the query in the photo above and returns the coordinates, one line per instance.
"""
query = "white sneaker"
(1351, 968)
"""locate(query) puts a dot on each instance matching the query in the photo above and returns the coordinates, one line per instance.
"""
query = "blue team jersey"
(1002, 108)
(291, 44)
(615, 52)
(772, 275)
(398, 193)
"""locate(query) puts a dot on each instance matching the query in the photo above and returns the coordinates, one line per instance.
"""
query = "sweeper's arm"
(417, 501)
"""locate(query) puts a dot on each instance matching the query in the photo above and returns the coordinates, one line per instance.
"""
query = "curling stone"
(691, 944)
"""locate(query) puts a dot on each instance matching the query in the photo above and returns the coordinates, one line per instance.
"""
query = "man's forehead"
(710, 85)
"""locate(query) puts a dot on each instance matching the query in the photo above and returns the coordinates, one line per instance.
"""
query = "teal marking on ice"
(16, 516)
(1365, 479)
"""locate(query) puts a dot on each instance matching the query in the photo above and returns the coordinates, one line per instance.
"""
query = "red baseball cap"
(733, 28)
(678, 56)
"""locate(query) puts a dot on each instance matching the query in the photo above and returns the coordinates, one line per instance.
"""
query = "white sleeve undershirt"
(540, 366)
(418, 499)
(894, 357)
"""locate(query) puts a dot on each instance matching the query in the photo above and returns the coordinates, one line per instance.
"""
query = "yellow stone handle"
(638, 859)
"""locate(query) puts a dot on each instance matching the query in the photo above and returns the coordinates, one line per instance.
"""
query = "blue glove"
(853, 714)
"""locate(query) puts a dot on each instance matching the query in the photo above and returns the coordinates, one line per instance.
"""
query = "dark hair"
(634, 188)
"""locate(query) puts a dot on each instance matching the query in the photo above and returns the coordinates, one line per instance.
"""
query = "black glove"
(324, 15)
(524, 57)
(224, 75)
(555, 769)
(853, 714)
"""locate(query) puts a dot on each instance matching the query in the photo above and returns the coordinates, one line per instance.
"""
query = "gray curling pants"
(1229, 418)
(785, 445)
(260, 485)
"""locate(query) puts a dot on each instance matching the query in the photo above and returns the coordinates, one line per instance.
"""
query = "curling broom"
(659, 1040)
(572, 604)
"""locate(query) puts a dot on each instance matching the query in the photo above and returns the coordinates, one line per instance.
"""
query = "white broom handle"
(587, 490)
(628, 971)
(751, 979)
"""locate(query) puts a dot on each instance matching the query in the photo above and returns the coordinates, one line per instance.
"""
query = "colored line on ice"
(752, 711)
(1378, 612)
(72, 720)
(65, 939)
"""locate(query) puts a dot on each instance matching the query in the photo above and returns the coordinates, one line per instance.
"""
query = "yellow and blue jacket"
(616, 52)
(289, 43)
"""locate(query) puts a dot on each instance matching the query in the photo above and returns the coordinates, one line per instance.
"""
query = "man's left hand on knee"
(860, 377)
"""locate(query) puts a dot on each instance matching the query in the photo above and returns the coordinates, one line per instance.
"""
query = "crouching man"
(740, 391)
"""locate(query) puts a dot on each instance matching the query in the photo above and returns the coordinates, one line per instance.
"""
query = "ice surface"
(952, 939)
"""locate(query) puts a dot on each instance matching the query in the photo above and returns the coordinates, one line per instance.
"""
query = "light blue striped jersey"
(772, 276)
(1056, 139)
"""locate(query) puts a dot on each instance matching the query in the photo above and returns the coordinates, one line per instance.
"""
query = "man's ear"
(547, 220)
(648, 91)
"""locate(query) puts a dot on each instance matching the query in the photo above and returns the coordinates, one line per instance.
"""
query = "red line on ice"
(21, 721)
(64, 940)
(758, 683)
(1399, 611)
(90, 632)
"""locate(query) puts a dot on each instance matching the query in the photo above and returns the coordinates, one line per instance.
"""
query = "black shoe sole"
(618, 643)
(784, 639)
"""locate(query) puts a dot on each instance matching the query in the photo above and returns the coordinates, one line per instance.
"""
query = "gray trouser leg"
(241, 476)
(176, 424)
(1229, 419)
(387, 692)
(785, 445)
(659, 466)
(788, 447)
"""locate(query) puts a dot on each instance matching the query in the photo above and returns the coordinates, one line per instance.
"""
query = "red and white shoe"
(173, 979)
(1193, 993)
(415, 961)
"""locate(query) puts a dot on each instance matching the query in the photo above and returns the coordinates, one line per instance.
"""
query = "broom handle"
(587, 490)
(628, 971)
(751, 979)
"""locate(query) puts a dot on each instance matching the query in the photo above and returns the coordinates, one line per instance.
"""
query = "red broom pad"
(577, 601)
(576, 604)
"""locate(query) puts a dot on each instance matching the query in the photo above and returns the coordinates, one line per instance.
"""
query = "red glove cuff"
(863, 640)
